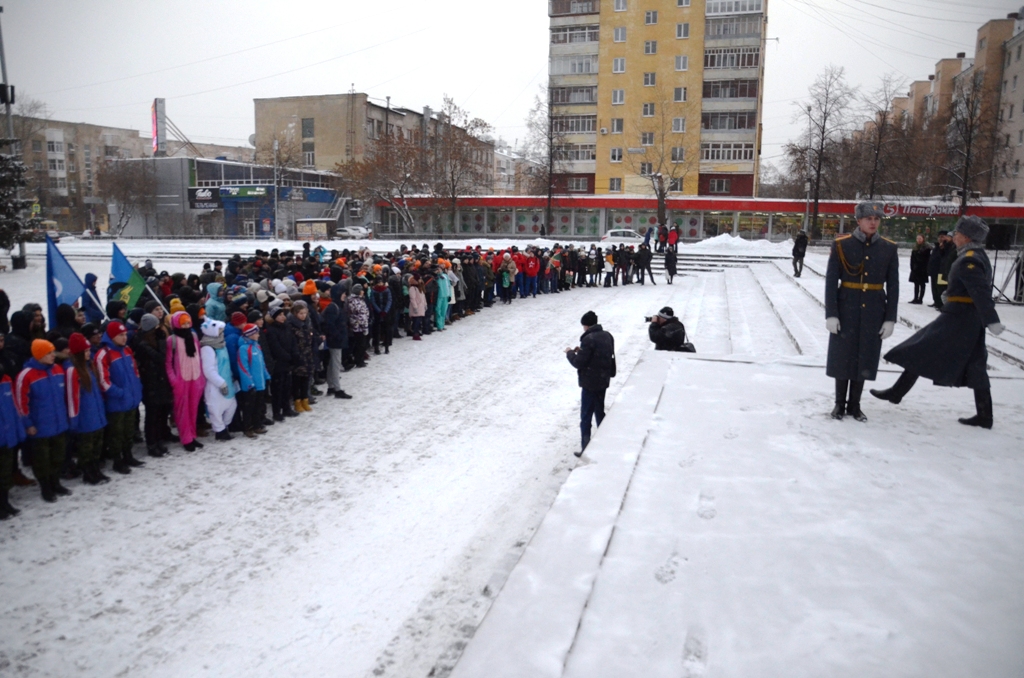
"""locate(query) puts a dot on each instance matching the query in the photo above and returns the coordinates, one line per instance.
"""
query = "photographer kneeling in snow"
(667, 332)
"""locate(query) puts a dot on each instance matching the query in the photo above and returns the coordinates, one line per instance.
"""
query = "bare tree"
(827, 114)
(973, 139)
(544, 148)
(289, 150)
(879, 138)
(459, 162)
(131, 186)
(390, 172)
(665, 160)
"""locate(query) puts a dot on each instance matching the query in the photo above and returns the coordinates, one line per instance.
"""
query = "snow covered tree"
(131, 185)
(13, 208)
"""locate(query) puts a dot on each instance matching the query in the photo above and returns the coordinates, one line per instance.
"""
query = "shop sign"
(204, 198)
(898, 209)
(243, 191)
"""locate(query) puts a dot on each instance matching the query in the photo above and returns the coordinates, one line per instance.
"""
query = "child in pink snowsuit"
(185, 372)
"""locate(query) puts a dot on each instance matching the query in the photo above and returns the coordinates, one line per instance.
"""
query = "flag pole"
(98, 304)
(150, 290)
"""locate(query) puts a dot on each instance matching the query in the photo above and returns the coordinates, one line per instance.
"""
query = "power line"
(918, 16)
(901, 29)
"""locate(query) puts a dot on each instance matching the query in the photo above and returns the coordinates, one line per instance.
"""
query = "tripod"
(1016, 276)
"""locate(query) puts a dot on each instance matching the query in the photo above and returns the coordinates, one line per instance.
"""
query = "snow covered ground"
(719, 524)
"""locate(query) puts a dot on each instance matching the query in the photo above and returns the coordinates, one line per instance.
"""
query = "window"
(732, 57)
(730, 89)
(682, 30)
(648, 110)
(616, 155)
(62, 182)
(733, 26)
(71, 167)
(569, 34)
(651, 47)
(308, 154)
(618, 97)
(615, 185)
(646, 169)
(678, 154)
(981, 44)
(1018, 52)
(617, 125)
(53, 182)
(38, 165)
(574, 123)
(307, 128)
(619, 65)
(678, 125)
(726, 151)
(651, 17)
(1015, 83)
(732, 6)
(679, 95)
(1011, 112)
(110, 151)
(71, 148)
(675, 184)
(619, 34)
(647, 138)
(55, 146)
(575, 152)
(573, 95)
(37, 145)
(719, 186)
(729, 120)
(682, 3)
(650, 79)
(578, 184)
(682, 63)
(574, 64)
(620, 5)
(56, 165)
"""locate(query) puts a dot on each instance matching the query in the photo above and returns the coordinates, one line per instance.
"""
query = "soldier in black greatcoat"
(861, 292)
(951, 350)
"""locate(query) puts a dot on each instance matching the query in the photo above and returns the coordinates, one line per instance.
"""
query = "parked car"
(354, 232)
(623, 235)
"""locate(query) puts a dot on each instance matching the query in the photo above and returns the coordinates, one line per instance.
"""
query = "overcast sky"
(103, 61)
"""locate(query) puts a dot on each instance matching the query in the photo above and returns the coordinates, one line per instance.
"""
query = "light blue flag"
(63, 286)
(122, 271)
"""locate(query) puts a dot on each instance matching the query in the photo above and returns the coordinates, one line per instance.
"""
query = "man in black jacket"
(594, 360)
(799, 252)
(666, 331)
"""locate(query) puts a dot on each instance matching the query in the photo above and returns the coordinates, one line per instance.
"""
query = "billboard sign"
(244, 192)
(204, 198)
(159, 112)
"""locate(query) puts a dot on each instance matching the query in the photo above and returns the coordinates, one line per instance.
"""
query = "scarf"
(213, 342)
(188, 341)
(185, 352)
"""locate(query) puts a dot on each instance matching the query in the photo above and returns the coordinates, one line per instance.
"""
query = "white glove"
(945, 297)
(887, 328)
(224, 389)
(832, 324)
(996, 328)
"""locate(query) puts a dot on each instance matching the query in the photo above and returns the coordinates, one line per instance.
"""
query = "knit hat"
(181, 321)
(870, 208)
(254, 316)
(77, 343)
(589, 319)
(298, 306)
(309, 288)
(176, 305)
(666, 313)
(115, 328)
(250, 330)
(148, 322)
(274, 312)
(42, 348)
(973, 227)
(237, 318)
(262, 296)
(89, 330)
(356, 289)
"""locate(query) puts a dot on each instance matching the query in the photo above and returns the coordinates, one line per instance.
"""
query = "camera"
(648, 319)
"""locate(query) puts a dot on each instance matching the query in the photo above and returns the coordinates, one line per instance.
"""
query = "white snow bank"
(726, 243)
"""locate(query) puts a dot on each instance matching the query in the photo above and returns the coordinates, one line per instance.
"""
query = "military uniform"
(861, 290)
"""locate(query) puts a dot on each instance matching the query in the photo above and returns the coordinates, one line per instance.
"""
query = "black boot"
(853, 403)
(224, 435)
(57, 488)
(839, 411)
(97, 472)
(46, 490)
(153, 451)
(5, 505)
(121, 466)
(895, 393)
(983, 403)
(132, 461)
(163, 448)
(342, 395)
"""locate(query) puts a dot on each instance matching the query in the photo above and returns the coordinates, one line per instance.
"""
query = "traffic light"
(7, 94)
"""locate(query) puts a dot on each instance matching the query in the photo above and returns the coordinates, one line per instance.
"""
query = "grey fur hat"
(870, 208)
(973, 227)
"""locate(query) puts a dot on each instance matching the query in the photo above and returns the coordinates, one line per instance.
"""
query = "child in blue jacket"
(12, 433)
(252, 377)
(86, 409)
(39, 397)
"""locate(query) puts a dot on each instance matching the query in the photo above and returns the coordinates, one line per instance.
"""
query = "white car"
(623, 235)
(356, 232)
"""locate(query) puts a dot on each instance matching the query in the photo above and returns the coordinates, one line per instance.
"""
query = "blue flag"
(120, 268)
(63, 286)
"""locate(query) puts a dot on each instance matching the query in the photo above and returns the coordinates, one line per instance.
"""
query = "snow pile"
(729, 244)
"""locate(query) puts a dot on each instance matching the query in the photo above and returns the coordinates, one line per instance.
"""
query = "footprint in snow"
(706, 507)
(667, 572)
(695, 653)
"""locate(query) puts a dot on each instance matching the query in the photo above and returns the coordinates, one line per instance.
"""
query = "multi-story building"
(656, 91)
(514, 174)
(1009, 181)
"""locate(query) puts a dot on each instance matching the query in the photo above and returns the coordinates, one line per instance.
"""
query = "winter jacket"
(152, 363)
(214, 305)
(303, 334)
(119, 376)
(283, 347)
(39, 398)
(92, 310)
(671, 259)
(358, 315)
(252, 370)
(595, 359)
(668, 337)
(800, 246)
(217, 368)
(231, 336)
(532, 266)
(335, 326)
(12, 428)
(86, 410)
(380, 300)
(919, 259)
(417, 302)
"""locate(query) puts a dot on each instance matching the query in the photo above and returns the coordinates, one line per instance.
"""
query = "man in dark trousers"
(938, 267)
(643, 263)
(861, 292)
(799, 252)
(666, 331)
(594, 360)
(951, 350)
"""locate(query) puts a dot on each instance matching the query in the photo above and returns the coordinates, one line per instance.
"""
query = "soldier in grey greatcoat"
(861, 292)
(951, 350)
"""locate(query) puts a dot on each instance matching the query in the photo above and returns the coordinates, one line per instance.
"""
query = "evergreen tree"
(13, 226)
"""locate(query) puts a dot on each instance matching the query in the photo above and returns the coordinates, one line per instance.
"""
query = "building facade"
(662, 93)
(1009, 181)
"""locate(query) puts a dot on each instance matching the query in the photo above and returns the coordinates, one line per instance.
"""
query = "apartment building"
(669, 90)
(1009, 181)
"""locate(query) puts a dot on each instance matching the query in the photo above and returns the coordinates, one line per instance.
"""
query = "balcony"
(572, 7)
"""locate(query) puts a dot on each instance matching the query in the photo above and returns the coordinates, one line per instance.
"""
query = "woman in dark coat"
(919, 258)
(284, 353)
(150, 347)
(303, 369)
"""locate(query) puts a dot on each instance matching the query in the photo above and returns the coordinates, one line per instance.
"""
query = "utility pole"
(544, 230)
(277, 224)
(10, 120)
(807, 181)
